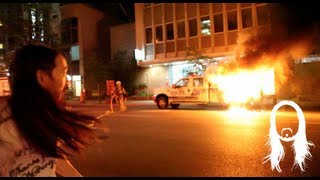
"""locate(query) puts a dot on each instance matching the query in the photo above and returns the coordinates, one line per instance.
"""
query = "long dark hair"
(41, 120)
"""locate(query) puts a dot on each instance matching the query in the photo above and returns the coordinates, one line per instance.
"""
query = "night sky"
(122, 11)
(301, 15)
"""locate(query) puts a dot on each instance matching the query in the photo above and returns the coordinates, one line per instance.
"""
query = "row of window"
(69, 30)
(205, 21)
(197, 82)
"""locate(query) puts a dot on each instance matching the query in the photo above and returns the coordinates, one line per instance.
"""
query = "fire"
(241, 85)
(251, 72)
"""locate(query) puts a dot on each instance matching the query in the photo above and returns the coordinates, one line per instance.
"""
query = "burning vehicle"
(244, 88)
(262, 70)
(249, 88)
(189, 90)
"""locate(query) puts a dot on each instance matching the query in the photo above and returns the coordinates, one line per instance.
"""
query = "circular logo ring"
(302, 123)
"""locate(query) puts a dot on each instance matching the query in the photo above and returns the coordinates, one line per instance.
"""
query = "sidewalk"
(104, 103)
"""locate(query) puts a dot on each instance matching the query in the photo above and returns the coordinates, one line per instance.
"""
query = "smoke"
(287, 39)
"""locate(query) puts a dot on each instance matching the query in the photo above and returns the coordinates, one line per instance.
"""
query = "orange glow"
(242, 116)
(239, 86)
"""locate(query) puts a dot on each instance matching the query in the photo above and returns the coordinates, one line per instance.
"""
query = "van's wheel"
(162, 103)
(175, 106)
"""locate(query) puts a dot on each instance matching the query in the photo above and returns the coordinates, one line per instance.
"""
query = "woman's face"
(56, 83)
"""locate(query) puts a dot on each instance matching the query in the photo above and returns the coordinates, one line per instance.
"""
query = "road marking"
(102, 115)
(157, 110)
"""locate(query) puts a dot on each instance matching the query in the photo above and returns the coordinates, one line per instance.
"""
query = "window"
(74, 37)
(179, 11)
(231, 6)
(181, 29)
(205, 25)
(218, 23)
(217, 8)
(41, 17)
(191, 10)
(148, 35)
(262, 13)
(147, 17)
(75, 53)
(74, 22)
(193, 27)
(182, 83)
(69, 31)
(159, 34)
(197, 82)
(232, 20)
(204, 9)
(170, 34)
(157, 14)
(149, 49)
(168, 14)
(33, 16)
(246, 18)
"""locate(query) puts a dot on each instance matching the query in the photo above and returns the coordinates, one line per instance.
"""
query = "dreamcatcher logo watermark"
(300, 144)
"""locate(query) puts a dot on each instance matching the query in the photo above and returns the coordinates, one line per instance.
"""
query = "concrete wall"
(87, 22)
(303, 83)
(153, 77)
(123, 38)
(307, 77)
(140, 39)
(88, 19)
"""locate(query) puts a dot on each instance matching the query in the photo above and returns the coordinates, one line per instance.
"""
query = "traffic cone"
(111, 105)
(83, 96)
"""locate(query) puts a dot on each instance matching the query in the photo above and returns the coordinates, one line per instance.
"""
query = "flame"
(259, 56)
(239, 86)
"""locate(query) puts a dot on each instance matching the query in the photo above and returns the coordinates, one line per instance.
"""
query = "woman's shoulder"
(8, 129)
(4, 109)
(3, 102)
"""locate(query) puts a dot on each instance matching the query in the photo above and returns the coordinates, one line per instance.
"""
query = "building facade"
(79, 38)
(165, 31)
(122, 37)
(25, 22)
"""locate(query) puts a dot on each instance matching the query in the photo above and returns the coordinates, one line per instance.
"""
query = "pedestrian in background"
(119, 94)
(37, 131)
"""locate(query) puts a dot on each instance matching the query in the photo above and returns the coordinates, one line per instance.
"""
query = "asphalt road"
(191, 141)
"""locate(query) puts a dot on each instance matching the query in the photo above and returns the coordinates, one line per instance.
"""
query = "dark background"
(298, 14)
(122, 11)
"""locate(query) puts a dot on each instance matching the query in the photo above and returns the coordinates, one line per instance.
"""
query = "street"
(191, 141)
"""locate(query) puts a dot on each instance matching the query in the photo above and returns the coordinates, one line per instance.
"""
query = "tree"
(97, 67)
(96, 72)
(122, 68)
(199, 61)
